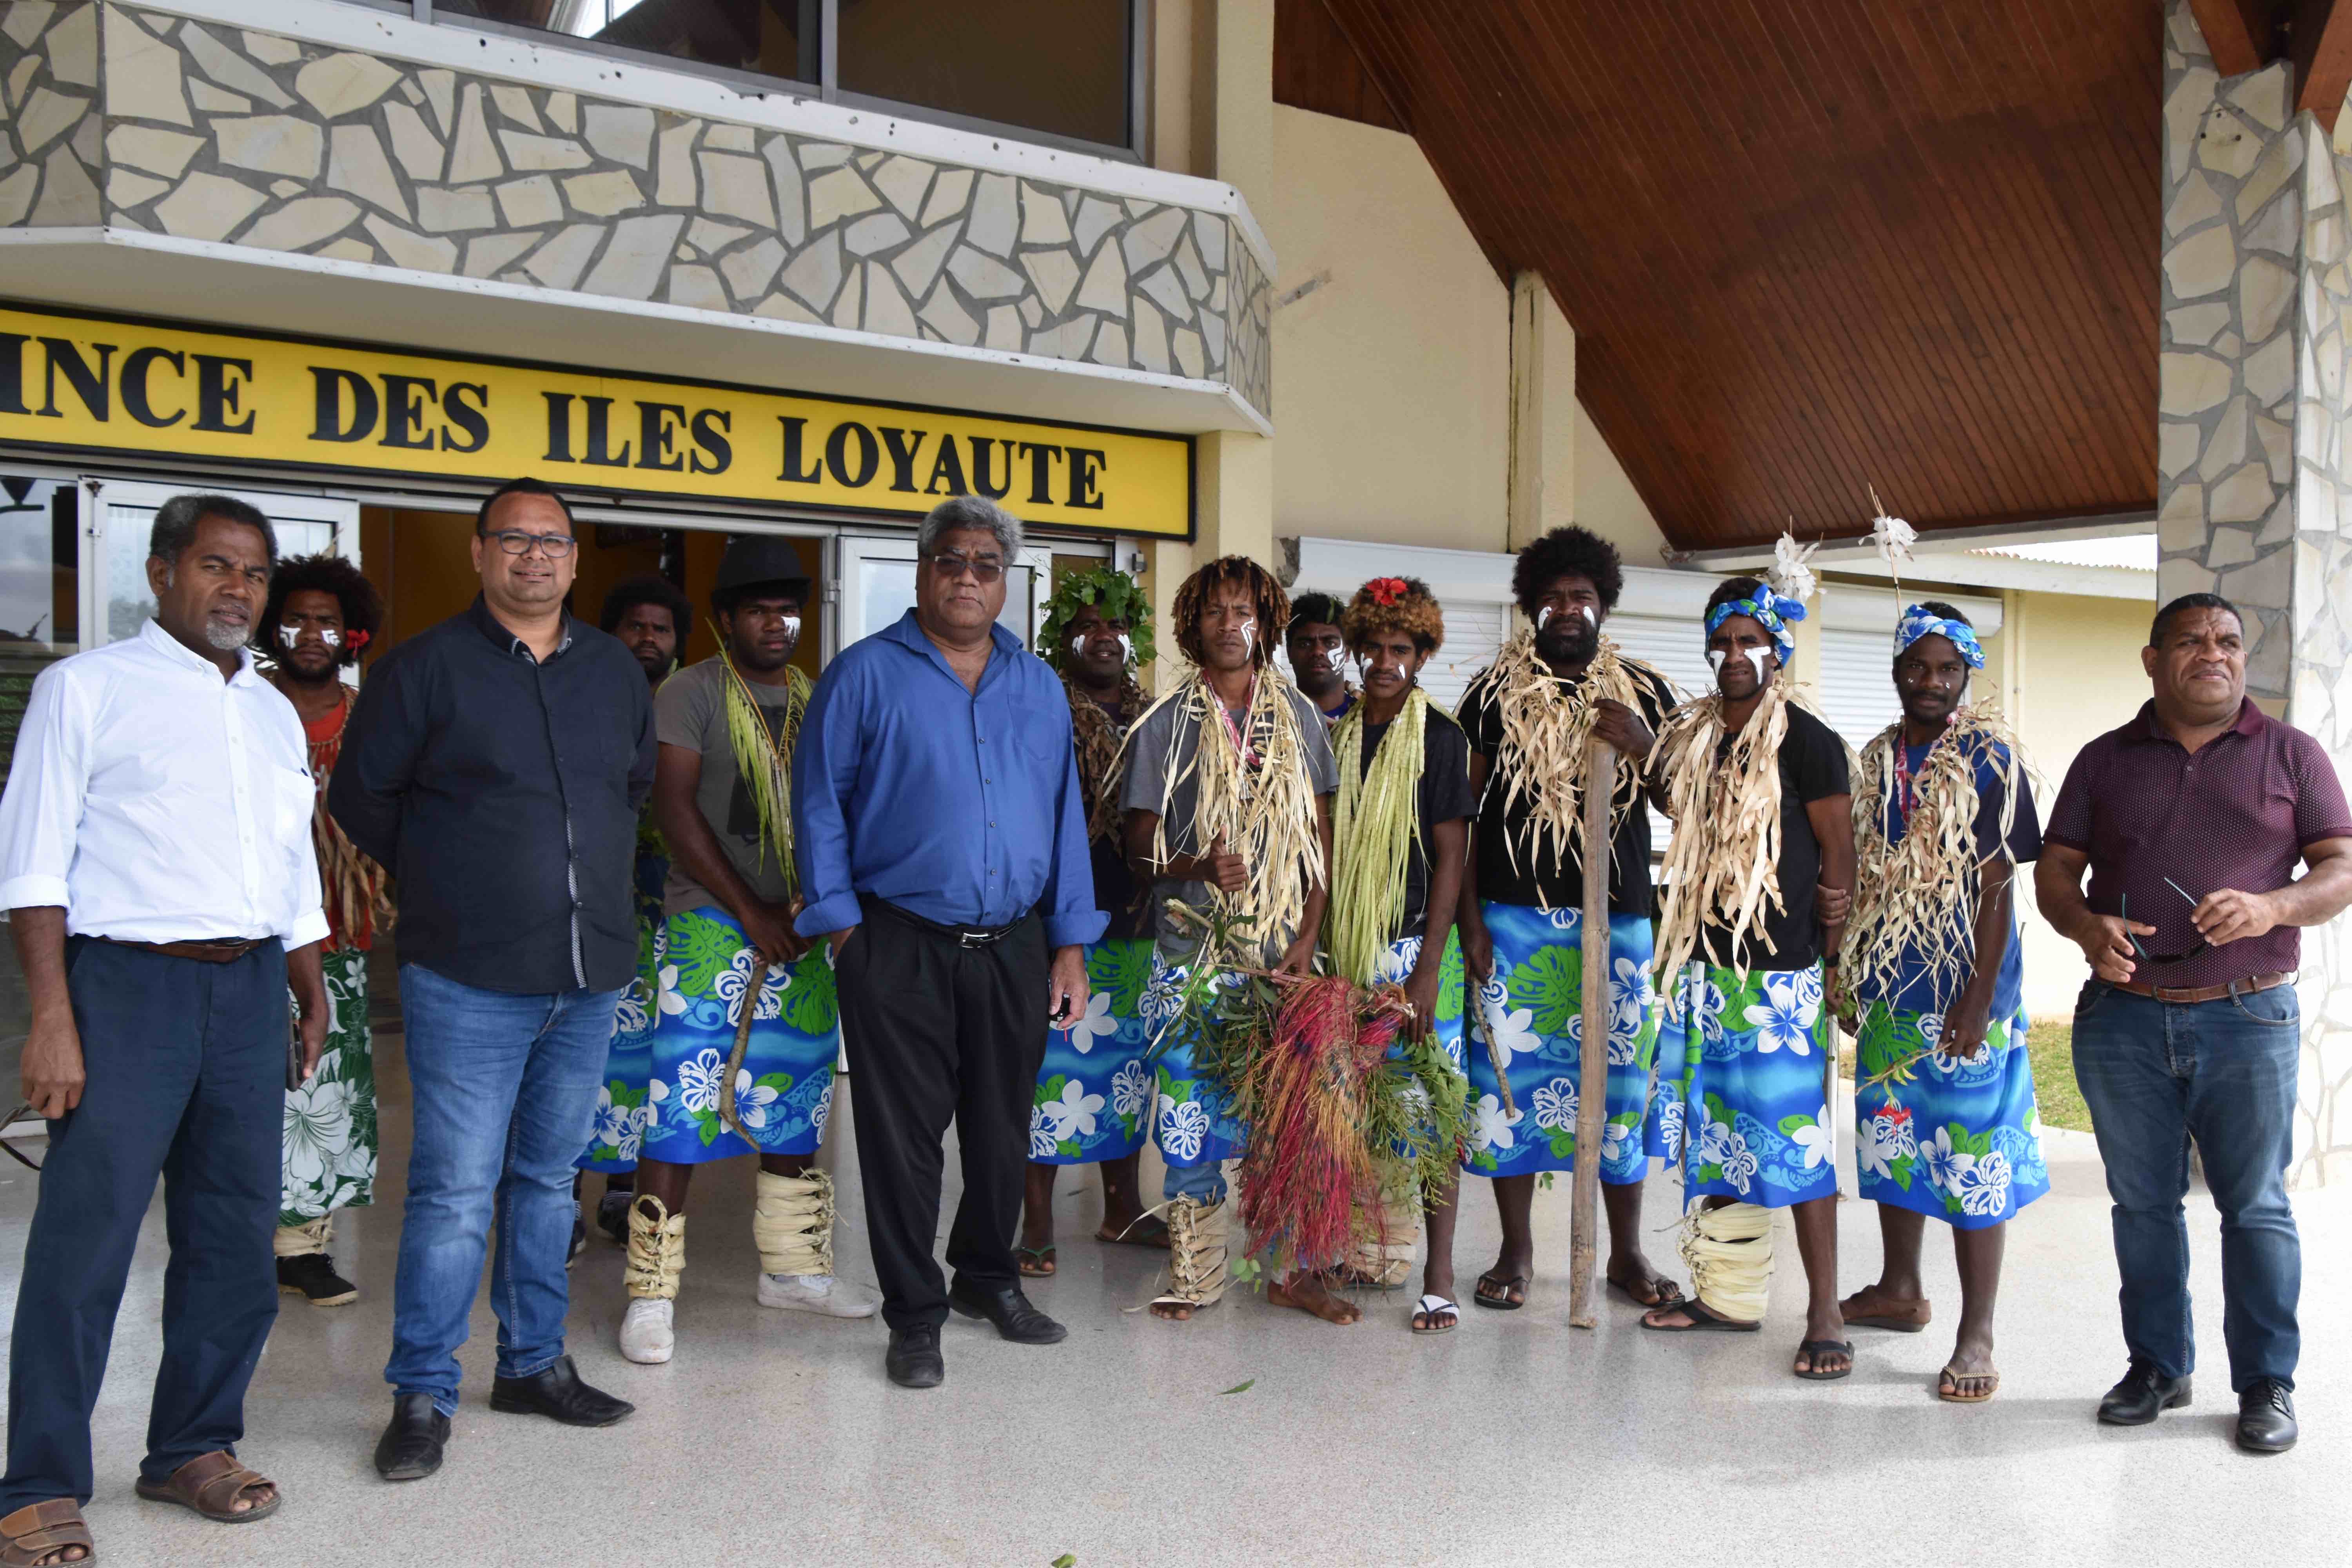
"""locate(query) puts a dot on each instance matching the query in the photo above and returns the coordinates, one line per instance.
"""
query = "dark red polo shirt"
(2236, 814)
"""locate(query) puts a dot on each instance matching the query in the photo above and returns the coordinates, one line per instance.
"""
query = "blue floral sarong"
(783, 1090)
(1194, 1124)
(1093, 1090)
(620, 1113)
(1534, 1006)
(1746, 1112)
(1962, 1140)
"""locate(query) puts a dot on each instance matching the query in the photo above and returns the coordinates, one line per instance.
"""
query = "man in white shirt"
(156, 863)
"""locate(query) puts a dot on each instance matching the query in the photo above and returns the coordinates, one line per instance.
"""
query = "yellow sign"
(106, 383)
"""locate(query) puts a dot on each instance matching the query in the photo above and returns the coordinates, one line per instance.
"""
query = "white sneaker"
(818, 1293)
(646, 1337)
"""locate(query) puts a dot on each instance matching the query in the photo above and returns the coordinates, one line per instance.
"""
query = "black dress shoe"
(1010, 1311)
(2143, 1393)
(2266, 1418)
(913, 1359)
(557, 1392)
(410, 1449)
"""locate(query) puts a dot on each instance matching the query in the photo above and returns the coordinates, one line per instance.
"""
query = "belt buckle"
(974, 937)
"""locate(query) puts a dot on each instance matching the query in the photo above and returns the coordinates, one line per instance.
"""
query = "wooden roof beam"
(2237, 31)
(2320, 43)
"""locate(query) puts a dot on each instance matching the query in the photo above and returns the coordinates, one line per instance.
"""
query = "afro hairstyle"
(1395, 604)
(361, 605)
(1566, 553)
(646, 589)
(1319, 609)
(1272, 603)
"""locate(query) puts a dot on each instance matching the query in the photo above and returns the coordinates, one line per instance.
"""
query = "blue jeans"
(1204, 1184)
(2156, 1075)
(505, 1092)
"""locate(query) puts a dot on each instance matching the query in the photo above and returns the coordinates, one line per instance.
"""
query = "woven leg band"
(1729, 1252)
(301, 1240)
(1388, 1240)
(657, 1250)
(792, 1223)
(1196, 1253)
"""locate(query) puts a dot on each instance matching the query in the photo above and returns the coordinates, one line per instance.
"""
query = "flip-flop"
(1036, 1262)
(1820, 1348)
(1502, 1303)
(1947, 1383)
(1705, 1320)
(1669, 1295)
(1429, 1307)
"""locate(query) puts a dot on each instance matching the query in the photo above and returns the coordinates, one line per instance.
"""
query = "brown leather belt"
(2246, 987)
(222, 950)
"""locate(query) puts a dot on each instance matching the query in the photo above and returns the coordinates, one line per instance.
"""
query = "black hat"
(759, 561)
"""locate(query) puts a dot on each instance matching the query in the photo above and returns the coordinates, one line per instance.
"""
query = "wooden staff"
(728, 1115)
(1592, 1073)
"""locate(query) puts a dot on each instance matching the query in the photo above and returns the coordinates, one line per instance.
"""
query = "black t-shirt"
(1445, 797)
(1554, 877)
(1812, 767)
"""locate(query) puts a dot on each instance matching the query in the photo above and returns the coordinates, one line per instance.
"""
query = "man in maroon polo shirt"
(2191, 819)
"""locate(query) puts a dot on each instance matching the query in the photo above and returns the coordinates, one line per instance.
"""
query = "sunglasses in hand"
(2166, 958)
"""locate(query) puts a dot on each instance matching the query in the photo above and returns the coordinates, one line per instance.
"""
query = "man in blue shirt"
(942, 843)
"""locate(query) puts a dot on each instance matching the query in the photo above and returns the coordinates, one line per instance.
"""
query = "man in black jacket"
(496, 763)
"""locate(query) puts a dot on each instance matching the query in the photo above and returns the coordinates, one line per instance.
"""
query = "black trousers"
(186, 1067)
(937, 1030)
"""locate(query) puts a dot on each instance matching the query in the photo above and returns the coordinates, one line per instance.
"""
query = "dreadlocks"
(361, 606)
(1272, 605)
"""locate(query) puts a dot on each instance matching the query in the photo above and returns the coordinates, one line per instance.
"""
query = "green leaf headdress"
(1118, 596)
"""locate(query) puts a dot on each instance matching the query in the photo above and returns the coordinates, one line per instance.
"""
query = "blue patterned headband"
(1768, 609)
(1919, 622)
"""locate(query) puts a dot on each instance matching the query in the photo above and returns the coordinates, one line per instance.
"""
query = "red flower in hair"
(1385, 591)
(356, 640)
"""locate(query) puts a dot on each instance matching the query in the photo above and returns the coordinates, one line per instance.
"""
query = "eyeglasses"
(2164, 958)
(955, 564)
(515, 542)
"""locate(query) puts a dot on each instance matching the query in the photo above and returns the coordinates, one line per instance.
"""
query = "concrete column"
(1543, 413)
(2254, 491)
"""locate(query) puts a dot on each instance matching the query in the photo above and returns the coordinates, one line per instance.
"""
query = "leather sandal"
(208, 1484)
(38, 1530)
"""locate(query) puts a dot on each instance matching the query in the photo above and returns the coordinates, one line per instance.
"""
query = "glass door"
(876, 579)
(115, 600)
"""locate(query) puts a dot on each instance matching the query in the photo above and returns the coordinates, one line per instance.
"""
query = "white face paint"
(1126, 648)
(1543, 616)
(1714, 657)
(792, 628)
(1078, 645)
(288, 635)
(1591, 620)
(1757, 655)
(1249, 634)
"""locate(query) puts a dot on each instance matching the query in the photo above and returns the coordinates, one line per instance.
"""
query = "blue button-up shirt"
(961, 807)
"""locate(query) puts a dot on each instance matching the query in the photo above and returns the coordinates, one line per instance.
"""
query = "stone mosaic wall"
(51, 152)
(252, 139)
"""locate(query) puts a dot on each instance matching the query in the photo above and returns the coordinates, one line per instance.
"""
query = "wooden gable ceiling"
(1808, 246)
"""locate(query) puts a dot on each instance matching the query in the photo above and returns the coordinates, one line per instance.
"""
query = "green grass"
(2052, 1046)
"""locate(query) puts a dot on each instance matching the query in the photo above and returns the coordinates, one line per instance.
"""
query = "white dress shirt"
(157, 802)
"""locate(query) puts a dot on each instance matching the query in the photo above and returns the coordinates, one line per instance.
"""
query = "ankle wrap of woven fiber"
(1196, 1253)
(301, 1240)
(657, 1250)
(792, 1223)
(1729, 1252)
(1387, 1238)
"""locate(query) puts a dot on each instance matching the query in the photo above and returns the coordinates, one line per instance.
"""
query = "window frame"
(828, 88)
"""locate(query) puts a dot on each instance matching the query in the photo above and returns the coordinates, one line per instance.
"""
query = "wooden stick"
(1592, 1074)
(728, 1115)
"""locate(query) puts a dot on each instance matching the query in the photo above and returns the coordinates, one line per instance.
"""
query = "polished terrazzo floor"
(773, 1439)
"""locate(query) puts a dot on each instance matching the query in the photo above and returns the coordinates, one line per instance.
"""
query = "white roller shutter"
(1856, 692)
(1476, 631)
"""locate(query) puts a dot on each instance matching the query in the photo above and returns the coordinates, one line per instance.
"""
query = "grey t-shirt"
(1166, 741)
(690, 711)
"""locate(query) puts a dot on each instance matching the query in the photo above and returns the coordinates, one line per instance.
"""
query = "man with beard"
(1319, 656)
(650, 616)
(322, 615)
(1753, 780)
(155, 861)
(1530, 718)
(722, 794)
(1094, 1098)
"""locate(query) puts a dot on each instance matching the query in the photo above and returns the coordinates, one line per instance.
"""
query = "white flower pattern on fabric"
(698, 1081)
(1491, 1128)
(1714, 1142)
(1515, 1036)
(1739, 1165)
(1094, 1024)
(752, 1100)
(318, 1128)
(1670, 1128)
(822, 1113)
(1181, 1128)
(1629, 997)
(1945, 1165)
(1983, 1188)
(670, 999)
(1073, 1115)
(1396, 963)
(1040, 1134)
(1784, 1018)
(1615, 1141)
(1129, 1087)
(1555, 1104)
(730, 984)
(1817, 1142)
(629, 1014)
(1711, 1004)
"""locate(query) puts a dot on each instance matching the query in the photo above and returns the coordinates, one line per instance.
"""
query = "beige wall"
(1392, 374)
(1606, 503)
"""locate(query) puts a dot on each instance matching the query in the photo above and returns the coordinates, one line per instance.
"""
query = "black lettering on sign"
(950, 468)
(472, 419)
(405, 397)
(89, 385)
(1041, 471)
(796, 472)
(599, 452)
(12, 373)
(836, 454)
(1086, 467)
(712, 452)
(331, 386)
(657, 427)
(983, 464)
(138, 399)
(558, 428)
(902, 456)
(220, 384)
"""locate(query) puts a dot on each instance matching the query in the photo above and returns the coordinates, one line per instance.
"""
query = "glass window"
(40, 592)
(771, 37)
(1056, 65)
